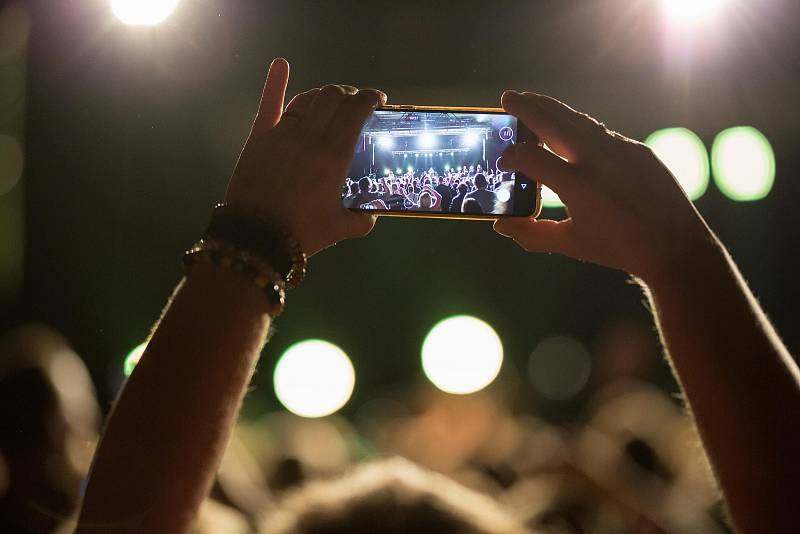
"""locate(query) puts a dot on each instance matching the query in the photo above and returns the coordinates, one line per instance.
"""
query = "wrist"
(693, 262)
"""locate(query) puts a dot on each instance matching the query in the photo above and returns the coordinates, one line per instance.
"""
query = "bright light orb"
(744, 163)
(462, 354)
(133, 358)
(385, 142)
(427, 141)
(314, 378)
(685, 156)
(143, 12)
(398, 170)
(691, 11)
(410, 168)
(503, 195)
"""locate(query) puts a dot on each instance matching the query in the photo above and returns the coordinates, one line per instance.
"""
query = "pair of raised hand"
(626, 210)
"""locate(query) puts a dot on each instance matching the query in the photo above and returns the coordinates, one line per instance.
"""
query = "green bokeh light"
(744, 163)
(462, 354)
(313, 378)
(133, 358)
(685, 156)
(550, 199)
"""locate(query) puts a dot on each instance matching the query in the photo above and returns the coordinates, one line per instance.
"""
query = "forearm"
(171, 423)
(741, 385)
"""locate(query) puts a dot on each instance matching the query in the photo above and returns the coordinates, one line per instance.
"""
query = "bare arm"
(628, 212)
(169, 427)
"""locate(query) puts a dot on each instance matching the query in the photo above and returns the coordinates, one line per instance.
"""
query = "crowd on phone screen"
(467, 190)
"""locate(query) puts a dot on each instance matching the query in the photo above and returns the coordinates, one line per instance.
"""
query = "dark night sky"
(131, 135)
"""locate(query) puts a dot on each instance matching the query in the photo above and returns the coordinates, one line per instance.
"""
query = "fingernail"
(511, 97)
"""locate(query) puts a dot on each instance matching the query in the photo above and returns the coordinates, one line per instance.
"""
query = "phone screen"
(437, 162)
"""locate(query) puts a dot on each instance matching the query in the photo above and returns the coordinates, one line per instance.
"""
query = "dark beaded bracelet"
(227, 256)
(248, 229)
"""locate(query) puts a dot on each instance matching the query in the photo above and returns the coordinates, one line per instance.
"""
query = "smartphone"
(424, 161)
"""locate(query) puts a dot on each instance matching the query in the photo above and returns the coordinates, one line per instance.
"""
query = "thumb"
(538, 235)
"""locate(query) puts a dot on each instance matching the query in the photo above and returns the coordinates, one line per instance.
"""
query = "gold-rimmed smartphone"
(426, 161)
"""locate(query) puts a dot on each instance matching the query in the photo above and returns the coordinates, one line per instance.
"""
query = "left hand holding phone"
(294, 161)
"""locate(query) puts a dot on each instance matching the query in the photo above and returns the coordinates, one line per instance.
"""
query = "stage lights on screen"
(143, 12)
(469, 139)
(410, 168)
(427, 141)
(385, 142)
(462, 354)
(743, 163)
(132, 359)
(685, 156)
(314, 378)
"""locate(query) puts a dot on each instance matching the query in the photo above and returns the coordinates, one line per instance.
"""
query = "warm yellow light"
(143, 12)
(462, 354)
(314, 378)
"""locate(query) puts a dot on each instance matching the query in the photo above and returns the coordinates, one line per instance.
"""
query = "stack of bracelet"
(243, 240)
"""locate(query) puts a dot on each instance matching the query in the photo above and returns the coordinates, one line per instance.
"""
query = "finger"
(322, 110)
(300, 103)
(349, 120)
(538, 235)
(269, 110)
(539, 164)
(561, 127)
(359, 224)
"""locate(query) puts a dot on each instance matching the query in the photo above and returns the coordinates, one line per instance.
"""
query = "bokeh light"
(685, 156)
(462, 354)
(314, 378)
(686, 12)
(133, 358)
(743, 163)
(143, 12)
(559, 367)
(11, 163)
(550, 199)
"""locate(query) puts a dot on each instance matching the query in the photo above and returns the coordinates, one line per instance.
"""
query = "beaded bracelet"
(241, 261)
(247, 228)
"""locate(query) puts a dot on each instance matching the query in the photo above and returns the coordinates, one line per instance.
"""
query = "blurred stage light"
(447, 167)
(687, 12)
(133, 358)
(462, 354)
(386, 172)
(559, 367)
(11, 162)
(410, 168)
(469, 139)
(550, 199)
(744, 163)
(143, 12)
(503, 195)
(427, 140)
(398, 171)
(685, 156)
(314, 378)
(385, 142)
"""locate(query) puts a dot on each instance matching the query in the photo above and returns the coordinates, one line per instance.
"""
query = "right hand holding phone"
(626, 210)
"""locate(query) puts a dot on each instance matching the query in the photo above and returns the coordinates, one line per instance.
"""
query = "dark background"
(131, 134)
